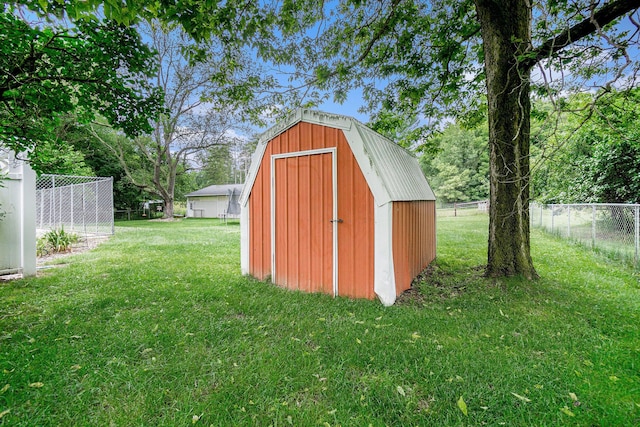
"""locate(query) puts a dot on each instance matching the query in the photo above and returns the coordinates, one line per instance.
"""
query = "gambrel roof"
(392, 173)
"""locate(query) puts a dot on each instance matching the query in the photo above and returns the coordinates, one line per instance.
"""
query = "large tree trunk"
(168, 191)
(168, 208)
(506, 33)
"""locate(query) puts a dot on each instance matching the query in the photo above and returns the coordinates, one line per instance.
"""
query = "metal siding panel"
(293, 233)
(413, 240)
(400, 262)
(265, 215)
(315, 233)
(301, 184)
(255, 232)
(355, 234)
(319, 138)
(327, 239)
(304, 206)
(279, 273)
(306, 139)
(260, 234)
(398, 170)
(346, 212)
(295, 137)
(355, 203)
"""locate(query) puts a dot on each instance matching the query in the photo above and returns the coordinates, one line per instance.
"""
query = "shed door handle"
(339, 220)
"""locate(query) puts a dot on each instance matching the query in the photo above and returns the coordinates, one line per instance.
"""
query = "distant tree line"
(574, 160)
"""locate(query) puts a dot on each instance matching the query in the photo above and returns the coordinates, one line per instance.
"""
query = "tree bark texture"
(506, 33)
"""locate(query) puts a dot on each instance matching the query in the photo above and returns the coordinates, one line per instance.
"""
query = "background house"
(214, 201)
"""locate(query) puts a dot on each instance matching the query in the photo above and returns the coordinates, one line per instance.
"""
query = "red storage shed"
(331, 206)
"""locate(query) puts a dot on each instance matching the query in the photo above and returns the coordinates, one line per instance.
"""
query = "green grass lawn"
(158, 327)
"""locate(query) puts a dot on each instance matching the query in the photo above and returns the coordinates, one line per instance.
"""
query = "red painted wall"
(414, 240)
(355, 208)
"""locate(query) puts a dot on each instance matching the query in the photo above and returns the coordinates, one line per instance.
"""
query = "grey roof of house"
(217, 190)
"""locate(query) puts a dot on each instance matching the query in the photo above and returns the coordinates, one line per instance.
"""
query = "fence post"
(455, 209)
(113, 225)
(568, 220)
(52, 204)
(553, 214)
(593, 226)
(84, 208)
(41, 194)
(541, 211)
(72, 223)
(637, 230)
(96, 203)
(59, 201)
(532, 211)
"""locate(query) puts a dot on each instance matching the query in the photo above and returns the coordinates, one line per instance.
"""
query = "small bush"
(55, 241)
(42, 248)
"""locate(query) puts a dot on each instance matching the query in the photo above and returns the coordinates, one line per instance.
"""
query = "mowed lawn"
(157, 327)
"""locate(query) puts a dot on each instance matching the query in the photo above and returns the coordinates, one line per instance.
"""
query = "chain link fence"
(79, 204)
(613, 228)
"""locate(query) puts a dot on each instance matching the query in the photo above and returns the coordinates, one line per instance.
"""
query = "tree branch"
(119, 153)
(380, 32)
(605, 15)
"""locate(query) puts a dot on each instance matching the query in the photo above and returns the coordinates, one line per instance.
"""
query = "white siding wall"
(18, 226)
(206, 207)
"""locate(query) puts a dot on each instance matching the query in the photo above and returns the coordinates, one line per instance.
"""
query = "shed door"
(303, 233)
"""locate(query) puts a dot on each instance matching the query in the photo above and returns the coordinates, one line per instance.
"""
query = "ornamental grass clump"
(55, 241)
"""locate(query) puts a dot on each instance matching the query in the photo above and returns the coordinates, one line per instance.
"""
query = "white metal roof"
(216, 190)
(393, 173)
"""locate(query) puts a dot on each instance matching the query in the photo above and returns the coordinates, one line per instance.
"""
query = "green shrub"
(180, 208)
(55, 241)
(42, 247)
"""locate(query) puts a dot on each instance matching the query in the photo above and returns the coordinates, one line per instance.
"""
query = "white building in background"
(215, 201)
(17, 216)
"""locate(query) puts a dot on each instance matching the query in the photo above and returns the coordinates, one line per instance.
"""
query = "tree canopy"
(598, 161)
(459, 171)
(195, 118)
(48, 70)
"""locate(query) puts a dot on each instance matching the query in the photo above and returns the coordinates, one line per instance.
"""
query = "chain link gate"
(79, 204)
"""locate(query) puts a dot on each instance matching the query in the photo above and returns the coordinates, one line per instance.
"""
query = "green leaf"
(44, 4)
(524, 399)
(567, 411)
(463, 406)
(400, 391)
